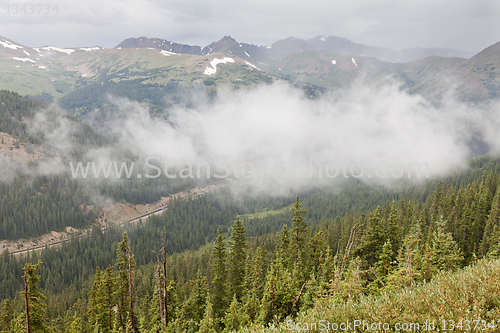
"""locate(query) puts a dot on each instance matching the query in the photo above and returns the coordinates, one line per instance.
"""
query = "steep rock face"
(157, 43)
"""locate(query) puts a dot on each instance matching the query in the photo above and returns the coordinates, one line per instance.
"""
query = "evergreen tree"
(255, 284)
(97, 305)
(316, 248)
(373, 239)
(108, 291)
(385, 263)
(445, 253)
(237, 259)
(235, 317)
(207, 323)
(19, 324)
(284, 248)
(327, 267)
(409, 259)
(125, 262)
(279, 293)
(219, 282)
(299, 229)
(394, 231)
(76, 325)
(194, 307)
(6, 315)
(492, 224)
(35, 300)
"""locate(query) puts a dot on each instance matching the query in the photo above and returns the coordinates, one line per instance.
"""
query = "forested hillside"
(324, 255)
(40, 195)
(33, 204)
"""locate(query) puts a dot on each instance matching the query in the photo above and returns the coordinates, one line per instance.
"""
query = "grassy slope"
(469, 294)
(316, 67)
(63, 74)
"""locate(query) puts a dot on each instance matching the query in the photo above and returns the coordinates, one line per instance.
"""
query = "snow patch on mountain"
(89, 49)
(354, 62)
(251, 65)
(58, 49)
(334, 62)
(168, 53)
(24, 59)
(212, 70)
(248, 55)
(7, 44)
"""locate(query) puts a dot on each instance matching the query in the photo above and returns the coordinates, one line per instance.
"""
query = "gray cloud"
(458, 24)
(277, 128)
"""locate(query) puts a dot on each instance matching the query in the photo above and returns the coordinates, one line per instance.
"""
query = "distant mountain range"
(295, 45)
(147, 68)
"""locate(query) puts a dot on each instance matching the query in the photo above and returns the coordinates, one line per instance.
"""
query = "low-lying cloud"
(276, 139)
(273, 124)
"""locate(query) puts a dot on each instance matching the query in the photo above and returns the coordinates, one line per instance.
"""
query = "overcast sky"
(469, 25)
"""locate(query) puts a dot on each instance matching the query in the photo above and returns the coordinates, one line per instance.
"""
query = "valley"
(255, 198)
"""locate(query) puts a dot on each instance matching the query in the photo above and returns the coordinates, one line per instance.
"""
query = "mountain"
(295, 45)
(483, 72)
(327, 69)
(161, 44)
(345, 46)
(226, 44)
(476, 79)
(81, 77)
(144, 70)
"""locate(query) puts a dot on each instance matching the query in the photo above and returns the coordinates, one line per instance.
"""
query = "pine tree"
(76, 326)
(384, 264)
(237, 259)
(194, 307)
(446, 254)
(327, 267)
(315, 248)
(279, 293)
(411, 255)
(219, 282)
(255, 284)
(35, 300)
(19, 324)
(97, 306)
(299, 229)
(492, 223)
(373, 239)
(284, 248)
(394, 231)
(6, 315)
(235, 317)
(207, 323)
(108, 290)
(125, 262)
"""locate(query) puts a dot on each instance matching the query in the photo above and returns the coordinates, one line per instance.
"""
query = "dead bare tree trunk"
(300, 294)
